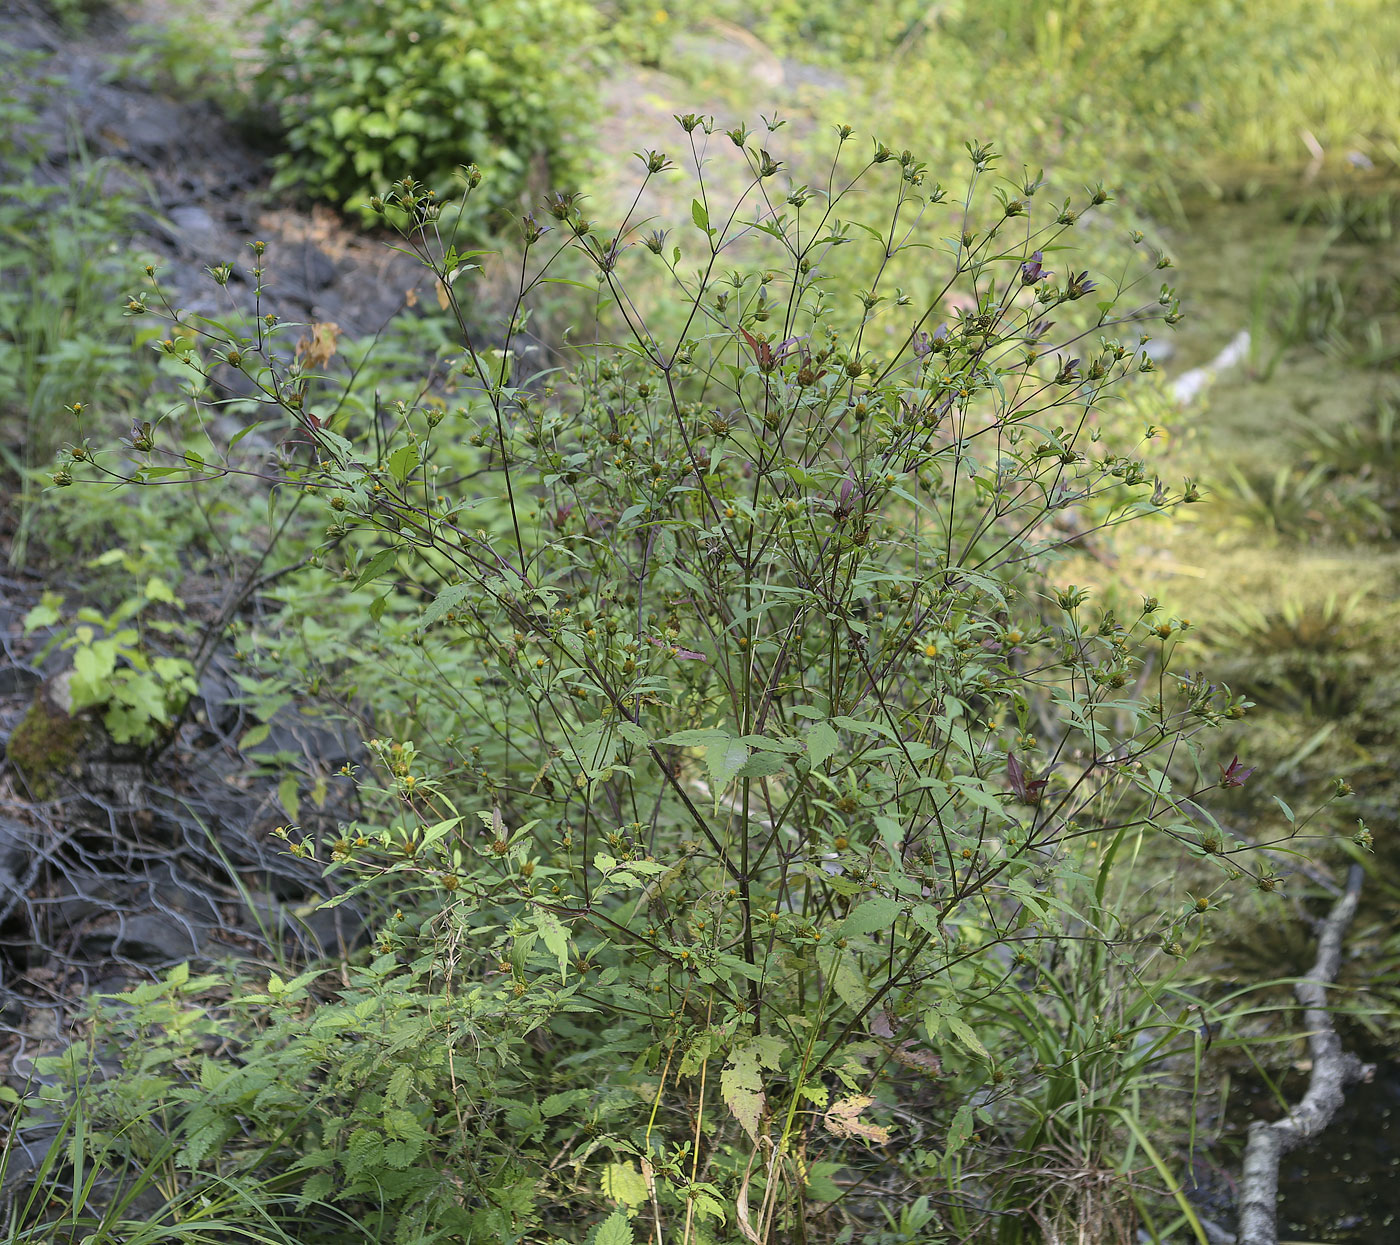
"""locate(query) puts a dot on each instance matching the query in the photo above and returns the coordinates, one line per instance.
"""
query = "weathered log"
(1333, 1069)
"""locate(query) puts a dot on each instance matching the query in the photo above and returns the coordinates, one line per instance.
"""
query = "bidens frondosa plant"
(763, 817)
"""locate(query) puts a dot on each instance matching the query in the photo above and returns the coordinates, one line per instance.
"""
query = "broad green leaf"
(624, 1183)
(960, 1129)
(820, 1185)
(873, 914)
(159, 590)
(741, 1087)
(849, 983)
(822, 741)
(632, 733)
(289, 796)
(762, 765)
(378, 564)
(45, 614)
(963, 1032)
(616, 1229)
(708, 1207)
(723, 761)
(694, 739)
(556, 938)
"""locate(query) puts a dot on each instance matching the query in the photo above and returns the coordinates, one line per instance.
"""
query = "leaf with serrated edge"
(822, 741)
(624, 1183)
(741, 1087)
(614, 1230)
(963, 1032)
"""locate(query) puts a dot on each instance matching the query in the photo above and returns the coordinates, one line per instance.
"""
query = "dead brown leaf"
(843, 1119)
(318, 348)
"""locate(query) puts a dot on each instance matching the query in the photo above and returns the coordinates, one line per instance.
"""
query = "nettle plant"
(767, 762)
(141, 694)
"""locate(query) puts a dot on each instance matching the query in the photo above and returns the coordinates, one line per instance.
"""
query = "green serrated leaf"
(378, 564)
(963, 1032)
(632, 733)
(288, 794)
(960, 1130)
(253, 737)
(723, 761)
(762, 765)
(694, 739)
(555, 937)
(624, 1183)
(877, 913)
(741, 1087)
(616, 1229)
(822, 741)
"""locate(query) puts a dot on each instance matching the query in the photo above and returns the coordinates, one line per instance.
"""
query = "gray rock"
(192, 219)
(17, 848)
(16, 844)
(325, 743)
(157, 938)
(16, 679)
(309, 265)
(323, 931)
(138, 126)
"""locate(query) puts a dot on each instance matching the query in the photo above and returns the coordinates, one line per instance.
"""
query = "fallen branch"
(1332, 1071)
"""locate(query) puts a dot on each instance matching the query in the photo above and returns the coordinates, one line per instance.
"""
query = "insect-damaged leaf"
(741, 1082)
(843, 1119)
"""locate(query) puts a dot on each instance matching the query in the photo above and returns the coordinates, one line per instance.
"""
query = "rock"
(17, 846)
(47, 746)
(192, 219)
(308, 264)
(136, 125)
(157, 938)
(18, 679)
(1187, 387)
(326, 743)
(321, 931)
(84, 894)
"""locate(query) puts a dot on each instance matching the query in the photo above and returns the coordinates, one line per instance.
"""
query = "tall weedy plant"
(766, 758)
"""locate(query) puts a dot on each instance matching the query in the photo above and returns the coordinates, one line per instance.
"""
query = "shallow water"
(1312, 271)
(1345, 1189)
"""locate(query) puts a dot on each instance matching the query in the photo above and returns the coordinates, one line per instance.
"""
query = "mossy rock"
(51, 745)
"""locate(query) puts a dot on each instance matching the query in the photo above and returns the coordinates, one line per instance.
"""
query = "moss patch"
(46, 746)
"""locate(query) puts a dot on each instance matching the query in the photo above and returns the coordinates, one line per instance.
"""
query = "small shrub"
(756, 757)
(141, 694)
(369, 92)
